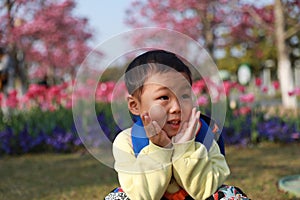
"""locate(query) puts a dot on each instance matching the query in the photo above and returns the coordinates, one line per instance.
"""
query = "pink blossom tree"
(276, 24)
(41, 39)
(197, 19)
(229, 24)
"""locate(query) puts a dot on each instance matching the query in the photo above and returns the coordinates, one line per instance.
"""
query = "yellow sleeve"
(146, 176)
(199, 172)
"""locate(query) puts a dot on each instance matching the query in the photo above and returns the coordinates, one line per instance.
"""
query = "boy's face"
(167, 97)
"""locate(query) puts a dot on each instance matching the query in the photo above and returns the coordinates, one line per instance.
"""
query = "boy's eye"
(163, 98)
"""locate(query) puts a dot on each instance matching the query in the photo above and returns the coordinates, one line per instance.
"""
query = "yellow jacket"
(157, 170)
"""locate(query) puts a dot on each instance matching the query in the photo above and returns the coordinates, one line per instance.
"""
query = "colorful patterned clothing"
(225, 192)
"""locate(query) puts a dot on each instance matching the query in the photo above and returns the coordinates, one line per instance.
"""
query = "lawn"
(79, 176)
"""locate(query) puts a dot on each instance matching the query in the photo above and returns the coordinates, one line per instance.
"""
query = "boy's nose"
(175, 106)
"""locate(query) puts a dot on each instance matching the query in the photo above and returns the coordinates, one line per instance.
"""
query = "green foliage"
(36, 120)
(255, 55)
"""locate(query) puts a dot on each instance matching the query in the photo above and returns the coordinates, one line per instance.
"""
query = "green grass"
(54, 176)
(257, 170)
(79, 176)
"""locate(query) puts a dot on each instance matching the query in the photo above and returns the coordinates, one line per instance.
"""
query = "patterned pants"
(225, 192)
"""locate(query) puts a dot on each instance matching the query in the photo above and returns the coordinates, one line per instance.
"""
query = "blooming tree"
(198, 19)
(277, 24)
(42, 38)
(229, 25)
(292, 9)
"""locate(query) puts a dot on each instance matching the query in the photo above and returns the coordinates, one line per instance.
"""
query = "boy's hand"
(154, 132)
(188, 129)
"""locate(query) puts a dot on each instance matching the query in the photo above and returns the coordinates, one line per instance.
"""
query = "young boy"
(161, 156)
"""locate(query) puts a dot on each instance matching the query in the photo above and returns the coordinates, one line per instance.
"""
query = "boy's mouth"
(175, 123)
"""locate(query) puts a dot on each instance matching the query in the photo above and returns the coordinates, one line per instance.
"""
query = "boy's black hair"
(152, 62)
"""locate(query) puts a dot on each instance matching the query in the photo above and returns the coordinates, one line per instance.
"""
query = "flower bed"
(42, 120)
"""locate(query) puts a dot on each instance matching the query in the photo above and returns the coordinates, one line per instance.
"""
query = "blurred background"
(255, 45)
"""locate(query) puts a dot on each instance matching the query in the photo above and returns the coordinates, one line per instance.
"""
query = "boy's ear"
(133, 105)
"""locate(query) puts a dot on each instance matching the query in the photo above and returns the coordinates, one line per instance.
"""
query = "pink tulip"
(247, 98)
(295, 92)
(68, 104)
(276, 85)
(12, 100)
(1, 98)
(264, 89)
(202, 100)
(295, 136)
(244, 110)
(198, 87)
(36, 92)
(240, 88)
(258, 82)
(227, 87)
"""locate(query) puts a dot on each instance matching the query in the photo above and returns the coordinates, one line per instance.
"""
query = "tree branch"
(259, 20)
(292, 31)
(256, 17)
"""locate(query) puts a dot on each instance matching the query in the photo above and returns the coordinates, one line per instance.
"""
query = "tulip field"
(41, 119)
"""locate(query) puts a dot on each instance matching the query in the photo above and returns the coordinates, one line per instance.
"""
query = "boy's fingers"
(150, 130)
(192, 114)
(198, 114)
(146, 119)
(195, 120)
(195, 125)
(153, 129)
(156, 127)
(192, 117)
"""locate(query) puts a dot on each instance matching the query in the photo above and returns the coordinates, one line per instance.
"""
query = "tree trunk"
(285, 75)
(16, 70)
(21, 73)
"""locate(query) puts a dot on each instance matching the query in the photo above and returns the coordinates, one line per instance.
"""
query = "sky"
(106, 17)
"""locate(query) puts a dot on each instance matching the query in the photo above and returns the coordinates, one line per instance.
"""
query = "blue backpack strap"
(205, 135)
(209, 130)
(138, 136)
(221, 144)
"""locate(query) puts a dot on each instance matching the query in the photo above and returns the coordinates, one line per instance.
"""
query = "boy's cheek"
(186, 112)
(158, 113)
